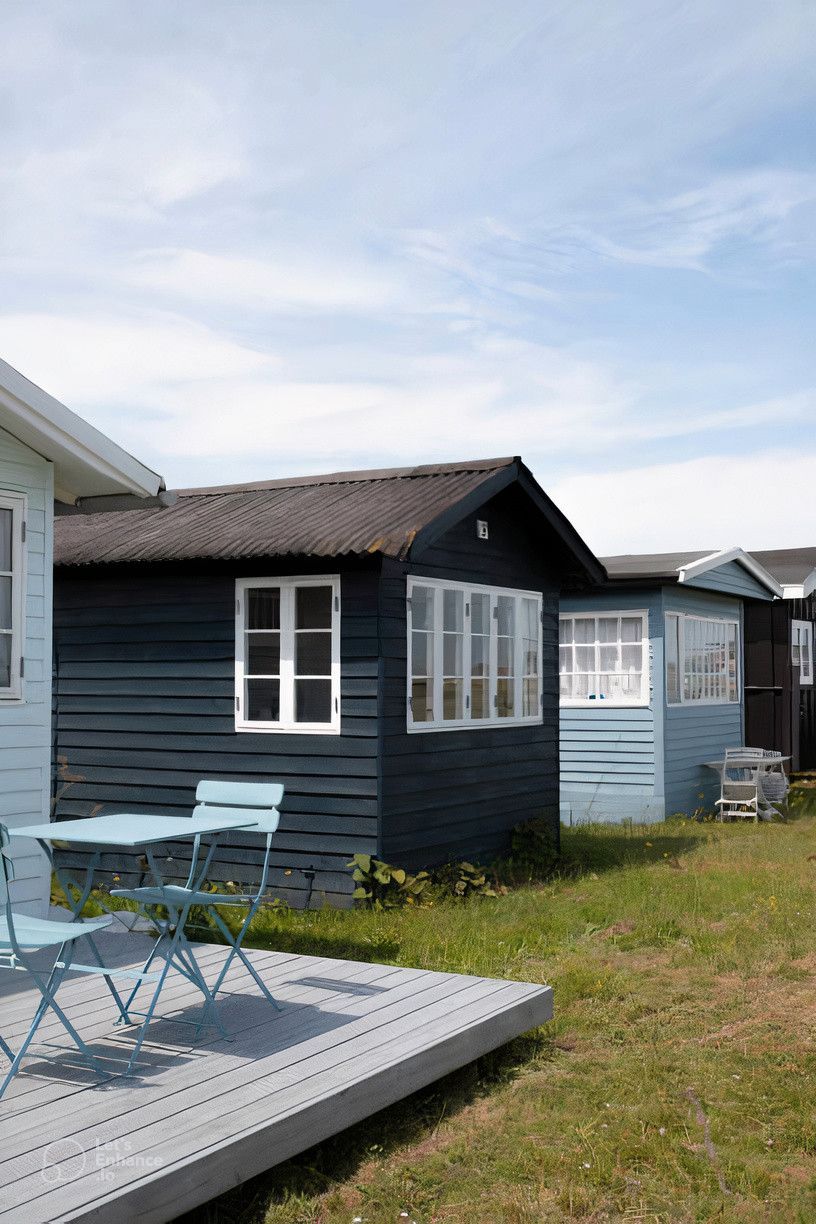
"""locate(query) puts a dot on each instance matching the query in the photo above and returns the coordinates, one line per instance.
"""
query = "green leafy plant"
(534, 853)
(381, 886)
(465, 880)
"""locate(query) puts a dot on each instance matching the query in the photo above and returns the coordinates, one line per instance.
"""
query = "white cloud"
(288, 282)
(758, 500)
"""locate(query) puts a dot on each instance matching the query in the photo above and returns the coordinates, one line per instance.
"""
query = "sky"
(259, 239)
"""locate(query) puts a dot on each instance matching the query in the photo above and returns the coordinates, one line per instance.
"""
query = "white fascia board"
(714, 560)
(86, 462)
(800, 590)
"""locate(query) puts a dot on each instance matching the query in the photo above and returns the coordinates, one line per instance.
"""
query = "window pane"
(263, 608)
(422, 607)
(585, 658)
(5, 603)
(6, 524)
(529, 618)
(566, 686)
(263, 654)
(672, 659)
(506, 614)
(607, 628)
(452, 654)
(313, 607)
(584, 629)
(565, 629)
(530, 700)
(313, 701)
(453, 611)
(504, 693)
(504, 653)
(263, 700)
(631, 658)
(608, 657)
(421, 654)
(564, 659)
(631, 629)
(480, 614)
(479, 698)
(5, 660)
(480, 656)
(313, 654)
(422, 701)
(452, 699)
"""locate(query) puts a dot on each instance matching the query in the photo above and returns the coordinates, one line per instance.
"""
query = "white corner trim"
(56, 432)
(714, 560)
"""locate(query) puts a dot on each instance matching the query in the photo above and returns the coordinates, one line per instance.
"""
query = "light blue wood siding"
(611, 758)
(25, 726)
(696, 733)
(731, 579)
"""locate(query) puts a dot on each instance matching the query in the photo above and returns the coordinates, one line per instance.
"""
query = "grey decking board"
(224, 1079)
(315, 1080)
(216, 1044)
(220, 1062)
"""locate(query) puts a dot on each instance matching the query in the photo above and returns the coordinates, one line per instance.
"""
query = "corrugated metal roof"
(790, 566)
(652, 565)
(322, 516)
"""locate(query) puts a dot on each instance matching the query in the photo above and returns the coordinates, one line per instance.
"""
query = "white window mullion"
(287, 660)
(493, 700)
(518, 658)
(438, 656)
(467, 681)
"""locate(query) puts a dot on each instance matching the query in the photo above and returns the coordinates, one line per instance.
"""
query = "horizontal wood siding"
(145, 699)
(25, 726)
(731, 579)
(697, 732)
(610, 756)
(457, 794)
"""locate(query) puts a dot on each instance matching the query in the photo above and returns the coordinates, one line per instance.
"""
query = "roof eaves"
(714, 560)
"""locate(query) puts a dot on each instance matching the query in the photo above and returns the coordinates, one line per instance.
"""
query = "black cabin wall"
(457, 794)
(779, 713)
(145, 699)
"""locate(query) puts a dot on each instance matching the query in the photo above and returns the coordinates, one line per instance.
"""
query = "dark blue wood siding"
(456, 794)
(145, 697)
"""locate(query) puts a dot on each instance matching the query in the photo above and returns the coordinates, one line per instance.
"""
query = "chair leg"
(237, 950)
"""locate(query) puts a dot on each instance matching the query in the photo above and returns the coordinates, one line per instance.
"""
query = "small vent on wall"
(481, 529)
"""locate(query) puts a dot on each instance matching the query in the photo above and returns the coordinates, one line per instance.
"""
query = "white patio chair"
(739, 784)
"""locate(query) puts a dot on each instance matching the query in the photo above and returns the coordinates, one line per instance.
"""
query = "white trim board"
(713, 561)
(86, 462)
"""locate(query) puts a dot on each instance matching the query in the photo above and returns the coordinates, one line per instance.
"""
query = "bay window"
(603, 657)
(474, 655)
(702, 660)
(287, 654)
(12, 594)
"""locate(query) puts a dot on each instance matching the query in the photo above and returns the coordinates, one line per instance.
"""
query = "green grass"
(676, 1081)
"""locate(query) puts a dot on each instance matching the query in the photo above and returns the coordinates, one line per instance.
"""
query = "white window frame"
(802, 627)
(286, 724)
(17, 503)
(493, 721)
(683, 618)
(619, 703)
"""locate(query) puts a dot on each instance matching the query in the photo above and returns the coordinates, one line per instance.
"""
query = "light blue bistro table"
(129, 831)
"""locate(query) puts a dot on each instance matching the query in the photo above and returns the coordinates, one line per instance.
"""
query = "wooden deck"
(199, 1119)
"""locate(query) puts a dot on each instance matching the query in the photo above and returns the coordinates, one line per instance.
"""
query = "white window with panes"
(702, 660)
(12, 594)
(474, 655)
(603, 657)
(802, 650)
(287, 655)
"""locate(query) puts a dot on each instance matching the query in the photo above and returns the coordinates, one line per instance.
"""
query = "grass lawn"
(675, 1083)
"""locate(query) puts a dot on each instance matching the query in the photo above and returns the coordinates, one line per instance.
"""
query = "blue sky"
(258, 239)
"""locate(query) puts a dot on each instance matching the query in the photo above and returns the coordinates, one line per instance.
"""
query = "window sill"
(604, 705)
(300, 729)
(476, 724)
(684, 705)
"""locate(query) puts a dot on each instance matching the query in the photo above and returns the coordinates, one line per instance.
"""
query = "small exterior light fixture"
(481, 529)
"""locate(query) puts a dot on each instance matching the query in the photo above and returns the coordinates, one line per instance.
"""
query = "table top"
(131, 829)
(747, 762)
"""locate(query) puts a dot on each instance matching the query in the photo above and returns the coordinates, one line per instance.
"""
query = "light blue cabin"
(651, 676)
(47, 454)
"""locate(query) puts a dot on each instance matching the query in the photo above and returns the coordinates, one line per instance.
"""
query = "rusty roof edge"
(361, 476)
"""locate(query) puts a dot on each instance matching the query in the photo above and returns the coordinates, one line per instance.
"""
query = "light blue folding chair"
(213, 798)
(21, 936)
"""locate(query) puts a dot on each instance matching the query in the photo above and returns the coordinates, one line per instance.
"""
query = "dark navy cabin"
(384, 643)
